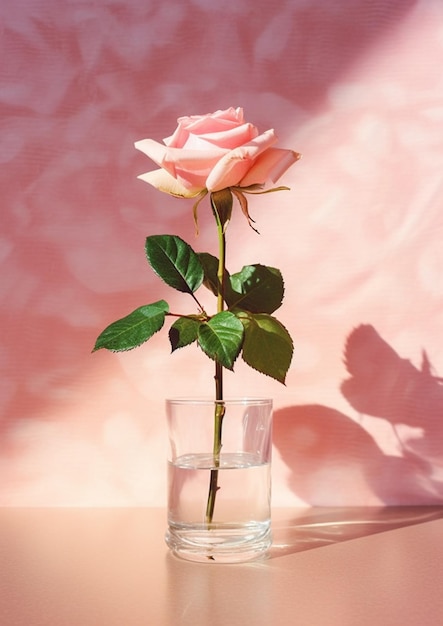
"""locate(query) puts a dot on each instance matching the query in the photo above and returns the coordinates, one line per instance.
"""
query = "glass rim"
(206, 401)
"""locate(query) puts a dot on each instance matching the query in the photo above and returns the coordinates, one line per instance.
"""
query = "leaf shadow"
(334, 460)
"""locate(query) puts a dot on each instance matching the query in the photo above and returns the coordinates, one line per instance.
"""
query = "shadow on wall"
(334, 460)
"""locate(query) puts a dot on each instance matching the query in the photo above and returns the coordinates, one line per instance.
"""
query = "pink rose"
(212, 152)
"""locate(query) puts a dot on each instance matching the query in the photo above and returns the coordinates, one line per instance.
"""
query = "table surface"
(327, 567)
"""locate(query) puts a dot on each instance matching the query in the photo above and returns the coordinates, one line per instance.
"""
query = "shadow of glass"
(322, 526)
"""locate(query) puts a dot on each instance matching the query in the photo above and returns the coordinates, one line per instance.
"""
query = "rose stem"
(219, 406)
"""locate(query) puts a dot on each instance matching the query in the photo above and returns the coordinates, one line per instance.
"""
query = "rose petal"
(200, 124)
(161, 180)
(269, 165)
(153, 149)
(233, 167)
(229, 139)
(190, 167)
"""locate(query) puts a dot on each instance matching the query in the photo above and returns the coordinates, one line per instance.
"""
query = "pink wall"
(357, 87)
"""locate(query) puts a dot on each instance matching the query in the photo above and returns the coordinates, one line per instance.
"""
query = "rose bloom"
(211, 152)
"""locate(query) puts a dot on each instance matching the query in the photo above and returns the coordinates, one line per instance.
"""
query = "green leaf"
(134, 329)
(210, 267)
(256, 288)
(267, 346)
(175, 262)
(184, 331)
(221, 338)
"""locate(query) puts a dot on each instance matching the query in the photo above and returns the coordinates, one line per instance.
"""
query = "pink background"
(357, 87)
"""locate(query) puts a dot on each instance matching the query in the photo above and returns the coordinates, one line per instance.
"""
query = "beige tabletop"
(327, 567)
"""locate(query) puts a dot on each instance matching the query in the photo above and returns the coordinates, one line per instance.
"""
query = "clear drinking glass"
(219, 502)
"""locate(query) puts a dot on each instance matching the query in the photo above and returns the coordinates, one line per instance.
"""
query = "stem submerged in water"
(213, 481)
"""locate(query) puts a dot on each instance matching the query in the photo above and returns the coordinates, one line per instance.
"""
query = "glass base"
(221, 543)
